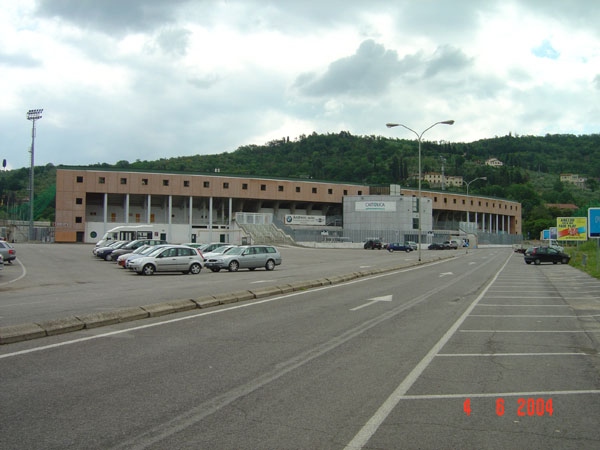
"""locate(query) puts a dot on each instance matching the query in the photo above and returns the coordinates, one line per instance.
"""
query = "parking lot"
(50, 281)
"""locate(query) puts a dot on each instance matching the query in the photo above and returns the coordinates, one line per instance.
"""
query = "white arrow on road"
(385, 298)
(444, 274)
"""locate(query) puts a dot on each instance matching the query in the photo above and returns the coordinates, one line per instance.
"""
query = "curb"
(23, 332)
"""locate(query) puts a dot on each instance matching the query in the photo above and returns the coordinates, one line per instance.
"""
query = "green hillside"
(530, 174)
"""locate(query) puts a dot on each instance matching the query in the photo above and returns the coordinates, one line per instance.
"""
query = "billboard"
(299, 219)
(594, 222)
(375, 206)
(571, 228)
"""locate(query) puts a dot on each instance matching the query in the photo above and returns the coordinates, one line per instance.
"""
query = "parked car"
(8, 252)
(142, 251)
(519, 248)
(170, 258)
(1, 262)
(218, 251)
(245, 257)
(398, 247)
(207, 248)
(122, 259)
(538, 255)
(112, 244)
(106, 252)
(451, 244)
(372, 244)
(193, 244)
(412, 244)
(439, 246)
(131, 246)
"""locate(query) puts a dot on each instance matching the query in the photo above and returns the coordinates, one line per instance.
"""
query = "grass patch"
(586, 257)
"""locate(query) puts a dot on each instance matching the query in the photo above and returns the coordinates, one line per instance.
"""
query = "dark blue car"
(397, 247)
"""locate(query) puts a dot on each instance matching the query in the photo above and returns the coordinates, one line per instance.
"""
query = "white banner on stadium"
(375, 206)
(297, 219)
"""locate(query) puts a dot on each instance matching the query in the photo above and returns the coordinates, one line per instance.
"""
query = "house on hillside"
(573, 178)
(437, 179)
(494, 162)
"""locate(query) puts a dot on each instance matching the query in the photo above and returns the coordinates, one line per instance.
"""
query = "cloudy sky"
(150, 79)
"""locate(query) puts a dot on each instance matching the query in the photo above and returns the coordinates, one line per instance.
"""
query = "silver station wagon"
(245, 257)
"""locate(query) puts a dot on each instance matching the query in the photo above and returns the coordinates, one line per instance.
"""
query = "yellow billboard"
(571, 228)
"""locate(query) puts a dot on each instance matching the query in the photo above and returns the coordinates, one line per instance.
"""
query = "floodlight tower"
(33, 115)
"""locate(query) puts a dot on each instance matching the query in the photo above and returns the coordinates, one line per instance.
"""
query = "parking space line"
(528, 331)
(521, 305)
(521, 296)
(528, 315)
(500, 394)
(489, 355)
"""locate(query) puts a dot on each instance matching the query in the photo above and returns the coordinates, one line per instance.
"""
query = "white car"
(170, 258)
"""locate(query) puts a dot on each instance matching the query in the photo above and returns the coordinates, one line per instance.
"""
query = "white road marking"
(23, 273)
(501, 394)
(491, 355)
(531, 315)
(528, 331)
(385, 298)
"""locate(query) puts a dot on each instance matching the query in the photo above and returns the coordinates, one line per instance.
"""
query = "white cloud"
(146, 79)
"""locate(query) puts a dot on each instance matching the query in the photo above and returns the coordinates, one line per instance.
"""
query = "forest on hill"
(530, 172)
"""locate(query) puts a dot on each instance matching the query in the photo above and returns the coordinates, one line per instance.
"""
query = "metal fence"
(338, 234)
(18, 231)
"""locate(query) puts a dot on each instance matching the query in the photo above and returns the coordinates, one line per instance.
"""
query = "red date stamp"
(525, 407)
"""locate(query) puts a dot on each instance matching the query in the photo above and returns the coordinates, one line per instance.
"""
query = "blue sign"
(546, 234)
(594, 222)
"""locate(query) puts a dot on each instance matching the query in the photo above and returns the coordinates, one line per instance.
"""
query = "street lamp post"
(419, 136)
(33, 115)
(468, 204)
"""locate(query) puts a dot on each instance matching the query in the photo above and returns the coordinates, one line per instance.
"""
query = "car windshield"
(223, 249)
(155, 251)
(236, 250)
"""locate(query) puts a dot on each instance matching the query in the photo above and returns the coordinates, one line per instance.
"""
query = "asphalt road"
(478, 351)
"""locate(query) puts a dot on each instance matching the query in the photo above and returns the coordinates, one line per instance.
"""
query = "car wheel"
(564, 261)
(148, 269)
(537, 262)
(195, 269)
(108, 257)
(270, 265)
(233, 266)
(391, 250)
(527, 262)
(408, 250)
